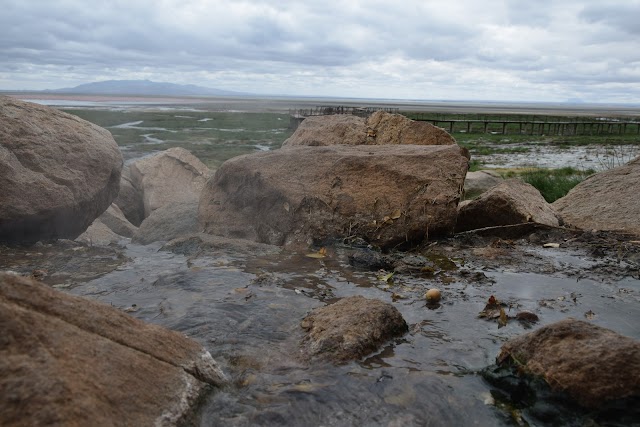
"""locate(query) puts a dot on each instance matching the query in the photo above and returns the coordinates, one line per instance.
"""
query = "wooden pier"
(536, 127)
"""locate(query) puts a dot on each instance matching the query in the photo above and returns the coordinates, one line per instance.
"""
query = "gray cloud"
(510, 49)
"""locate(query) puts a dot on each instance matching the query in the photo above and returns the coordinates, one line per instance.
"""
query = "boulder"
(591, 364)
(129, 199)
(387, 195)
(170, 177)
(381, 128)
(511, 202)
(98, 234)
(478, 182)
(57, 172)
(605, 201)
(350, 329)
(329, 130)
(168, 222)
(398, 129)
(116, 221)
(65, 360)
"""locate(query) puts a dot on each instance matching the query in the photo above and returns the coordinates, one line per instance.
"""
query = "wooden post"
(468, 127)
(486, 125)
(504, 128)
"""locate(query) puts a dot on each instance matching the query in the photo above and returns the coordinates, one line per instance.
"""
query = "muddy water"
(246, 310)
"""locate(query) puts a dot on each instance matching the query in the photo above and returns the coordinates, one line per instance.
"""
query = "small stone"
(433, 296)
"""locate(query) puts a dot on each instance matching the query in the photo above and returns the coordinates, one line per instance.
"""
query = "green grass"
(221, 136)
(552, 183)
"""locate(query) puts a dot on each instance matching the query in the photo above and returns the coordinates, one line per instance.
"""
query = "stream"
(244, 305)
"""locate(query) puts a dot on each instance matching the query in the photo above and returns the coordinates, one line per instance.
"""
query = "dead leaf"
(589, 315)
(551, 245)
(386, 277)
(502, 321)
(396, 214)
(322, 253)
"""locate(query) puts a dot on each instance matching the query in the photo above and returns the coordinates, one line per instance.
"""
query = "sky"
(501, 50)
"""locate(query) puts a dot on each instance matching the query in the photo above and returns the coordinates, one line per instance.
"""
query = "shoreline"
(284, 104)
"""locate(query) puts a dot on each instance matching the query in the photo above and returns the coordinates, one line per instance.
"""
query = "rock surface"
(168, 222)
(605, 201)
(381, 128)
(129, 198)
(98, 234)
(173, 176)
(387, 195)
(350, 329)
(511, 202)
(57, 172)
(592, 364)
(65, 360)
(480, 181)
(116, 221)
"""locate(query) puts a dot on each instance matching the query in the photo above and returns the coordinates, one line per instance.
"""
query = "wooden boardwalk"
(537, 127)
(531, 126)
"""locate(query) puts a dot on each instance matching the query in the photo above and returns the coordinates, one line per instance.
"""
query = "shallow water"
(246, 311)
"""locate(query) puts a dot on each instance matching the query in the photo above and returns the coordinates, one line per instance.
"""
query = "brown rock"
(129, 199)
(478, 182)
(384, 194)
(65, 360)
(116, 221)
(329, 130)
(170, 177)
(398, 129)
(350, 329)
(381, 128)
(590, 363)
(57, 172)
(168, 222)
(605, 201)
(98, 234)
(511, 202)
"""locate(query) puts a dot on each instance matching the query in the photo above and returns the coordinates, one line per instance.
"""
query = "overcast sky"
(529, 50)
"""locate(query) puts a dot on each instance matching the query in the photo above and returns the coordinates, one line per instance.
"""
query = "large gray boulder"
(511, 202)
(167, 223)
(605, 201)
(350, 329)
(57, 172)
(66, 360)
(172, 176)
(381, 128)
(387, 194)
(592, 364)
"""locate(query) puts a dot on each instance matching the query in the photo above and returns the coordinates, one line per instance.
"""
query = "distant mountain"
(144, 87)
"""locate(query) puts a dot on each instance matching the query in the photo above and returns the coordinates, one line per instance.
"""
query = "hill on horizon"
(144, 87)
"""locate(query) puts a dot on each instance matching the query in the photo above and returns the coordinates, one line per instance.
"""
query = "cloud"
(509, 49)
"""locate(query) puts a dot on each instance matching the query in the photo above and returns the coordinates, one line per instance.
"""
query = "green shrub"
(555, 183)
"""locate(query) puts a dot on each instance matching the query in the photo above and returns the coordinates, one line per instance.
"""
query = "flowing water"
(246, 310)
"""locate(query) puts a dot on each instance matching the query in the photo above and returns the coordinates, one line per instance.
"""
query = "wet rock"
(170, 177)
(511, 202)
(368, 259)
(129, 199)
(57, 172)
(350, 329)
(591, 364)
(478, 182)
(605, 201)
(387, 195)
(380, 128)
(168, 222)
(65, 360)
(202, 243)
